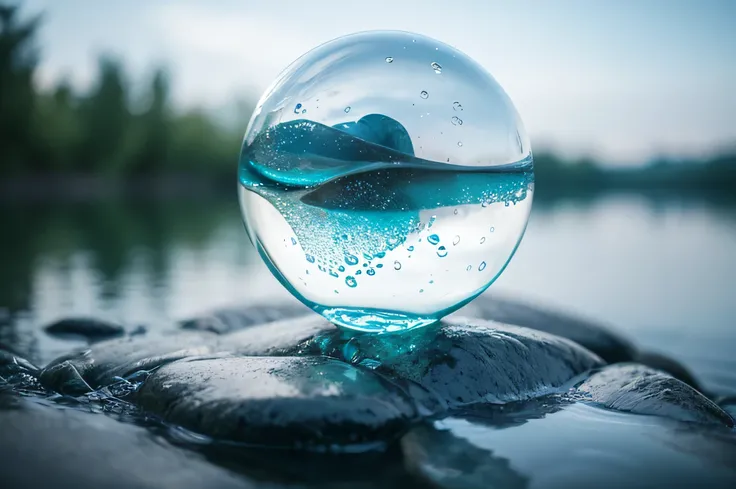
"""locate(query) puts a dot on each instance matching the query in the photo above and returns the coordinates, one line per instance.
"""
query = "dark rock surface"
(105, 362)
(12, 364)
(463, 361)
(278, 338)
(227, 320)
(642, 390)
(43, 446)
(597, 338)
(669, 365)
(279, 401)
(88, 328)
(607, 344)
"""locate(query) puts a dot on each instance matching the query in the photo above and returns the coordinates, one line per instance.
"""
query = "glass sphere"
(386, 180)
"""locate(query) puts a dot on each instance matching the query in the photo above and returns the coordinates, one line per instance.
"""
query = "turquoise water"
(353, 208)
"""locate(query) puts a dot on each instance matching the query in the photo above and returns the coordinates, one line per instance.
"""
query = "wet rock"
(313, 402)
(88, 328)
(668, 365)
(276, 339)
(13, 364)
(107, 362)
(608, 345)
(42, 446)
(227, 320)
(641, 390)
(461, 361)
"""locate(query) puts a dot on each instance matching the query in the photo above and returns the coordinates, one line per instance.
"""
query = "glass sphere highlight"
(386, 180)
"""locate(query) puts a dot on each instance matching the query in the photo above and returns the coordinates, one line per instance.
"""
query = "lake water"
(661, 271)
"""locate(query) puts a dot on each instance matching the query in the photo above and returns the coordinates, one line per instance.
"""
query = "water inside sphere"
(403, 152)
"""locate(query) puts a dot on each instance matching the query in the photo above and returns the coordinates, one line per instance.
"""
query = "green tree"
(153, 128)
(105, 120)
(18, 58)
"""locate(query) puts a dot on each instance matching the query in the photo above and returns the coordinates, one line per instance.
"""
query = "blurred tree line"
(97, 132)
(106, 131)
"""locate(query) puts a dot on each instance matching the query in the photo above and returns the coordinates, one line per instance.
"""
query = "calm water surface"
(662, 272)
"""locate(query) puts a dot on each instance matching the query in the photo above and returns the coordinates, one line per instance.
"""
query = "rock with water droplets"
(318, 403)
(276, 339)
(46, 446)
(232, 319)
(88, 328)
(463, 361)
(106, 362)
(610, 346)
(641, 390)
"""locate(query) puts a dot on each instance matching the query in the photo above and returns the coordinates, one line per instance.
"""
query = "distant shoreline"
(86, 188)
(195, 187)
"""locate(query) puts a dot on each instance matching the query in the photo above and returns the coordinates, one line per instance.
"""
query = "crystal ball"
(385, 179)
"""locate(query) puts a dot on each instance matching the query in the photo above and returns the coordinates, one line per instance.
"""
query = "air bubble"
(442, 252)
(456, 121)
(433, 239)
(309, 258)
(380, 265)
(482, 240)
(333, 273)
(347, 109)
(456, 240)
(371, 272)
(351, 259)
(293, 241)
(460, 143)
(389, 59)
(424, 94)
(397, 265)
(410, 248)
(350, 281)
(492, 229)
(482, 266)
(436, 67)
(341, 268)
(455, 211)
(296, 109)
(467, 269)
(457, 106)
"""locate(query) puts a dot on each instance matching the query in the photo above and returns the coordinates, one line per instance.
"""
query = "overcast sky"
(624, 80)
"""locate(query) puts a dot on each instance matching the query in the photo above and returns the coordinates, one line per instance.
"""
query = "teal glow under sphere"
(386, 180)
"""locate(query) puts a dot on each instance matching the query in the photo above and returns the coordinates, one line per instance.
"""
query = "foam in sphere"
(386, 180)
